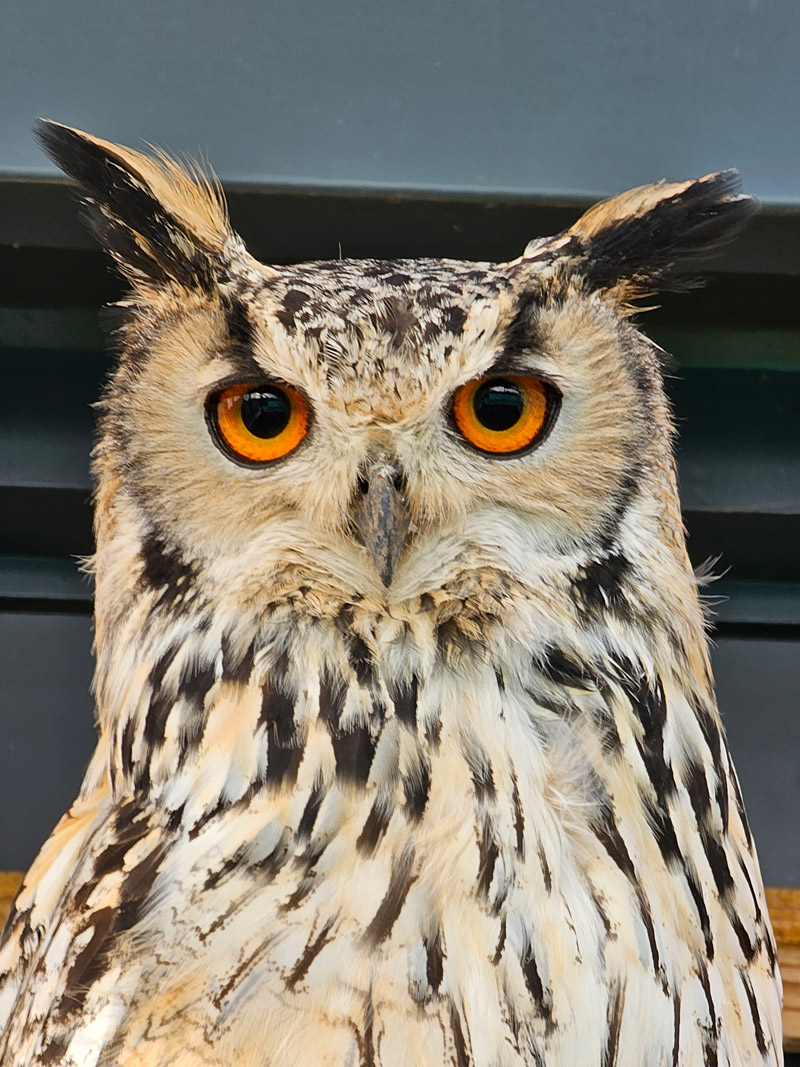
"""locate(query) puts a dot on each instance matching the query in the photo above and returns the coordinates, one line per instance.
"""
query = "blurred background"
(428, 127)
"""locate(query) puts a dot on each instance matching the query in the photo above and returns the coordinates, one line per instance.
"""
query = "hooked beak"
(381, 513)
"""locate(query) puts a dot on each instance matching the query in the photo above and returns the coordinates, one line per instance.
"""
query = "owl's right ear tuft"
(630, 245)
(163, 223)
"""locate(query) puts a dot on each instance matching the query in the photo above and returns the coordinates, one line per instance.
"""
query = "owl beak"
(381, 513)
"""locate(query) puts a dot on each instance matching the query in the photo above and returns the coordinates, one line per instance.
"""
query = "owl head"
(393, 434)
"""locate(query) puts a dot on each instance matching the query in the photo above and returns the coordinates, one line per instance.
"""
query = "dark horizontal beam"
(283, 226)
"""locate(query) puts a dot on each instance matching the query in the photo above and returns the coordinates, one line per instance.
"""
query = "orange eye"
(502, 414)
(259, 421)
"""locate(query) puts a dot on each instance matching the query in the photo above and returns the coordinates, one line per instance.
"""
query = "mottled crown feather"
(632, 242)
(162, 221)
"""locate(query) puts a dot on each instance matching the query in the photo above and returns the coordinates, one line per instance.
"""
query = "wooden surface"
(9, 883)
(784, 910)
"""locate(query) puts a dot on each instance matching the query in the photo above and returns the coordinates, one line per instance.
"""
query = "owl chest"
(463, 930)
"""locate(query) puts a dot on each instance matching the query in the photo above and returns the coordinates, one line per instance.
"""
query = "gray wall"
(563, 97)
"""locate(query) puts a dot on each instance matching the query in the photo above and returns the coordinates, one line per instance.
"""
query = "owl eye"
(258, 421)
(503, 415)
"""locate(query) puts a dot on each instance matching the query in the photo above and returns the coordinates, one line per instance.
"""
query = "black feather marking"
(676, 1027)
(195, 683)
(650, 707)
(717, 861)
(560, 668)
(463, 1059)
(91, 961)
(276, 708)
(361, 661)
(367, 1046)
(754, 1013)
(161, 704)
(453, 319)
(293, 301)
(237, 664)
(131, 825)
(310, 952)
(54, 1052)
(599, 906)
(453, 644)
(748, 879)
(165, 571)
(480, 769)
(300, 892)
(311, 810)
(433, 731)
(396, 317)
(501, 943)
(215, 877)
(426, 602)
(331, 700)
(353, 752)
(542, 997)
(405, 702)
(616, 1002)
(400, 882)
(546, 872)
(196, 680)
(375, 826)
(353, 749)
(664, 832)
(520, 336)
(607, 833)
(284, 749)
(711, 733)
(434, 965)
(416, 788)
(749, 948)
(488, 853)
(283, 762)
(126, 747)
(697, 788)
(240, 327)
(600, 584)
(136, 888)
(519, 816)
(702, 911)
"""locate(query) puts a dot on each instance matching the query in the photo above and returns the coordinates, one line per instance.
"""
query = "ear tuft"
(162, 223)
(632, 242)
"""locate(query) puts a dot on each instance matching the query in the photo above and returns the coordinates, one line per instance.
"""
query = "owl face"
(380, 430)
(384, 359)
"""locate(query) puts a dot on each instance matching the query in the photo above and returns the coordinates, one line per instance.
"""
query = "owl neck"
(205, 709)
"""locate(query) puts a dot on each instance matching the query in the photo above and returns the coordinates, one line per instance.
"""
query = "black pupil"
(498, 404)
(266, 411)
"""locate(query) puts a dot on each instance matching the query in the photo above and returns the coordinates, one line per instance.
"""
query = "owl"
(408, 746)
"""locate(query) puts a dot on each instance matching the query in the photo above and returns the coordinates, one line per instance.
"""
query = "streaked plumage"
(475, 809)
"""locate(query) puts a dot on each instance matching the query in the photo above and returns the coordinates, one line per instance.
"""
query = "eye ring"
(257, 423)
(504, 415)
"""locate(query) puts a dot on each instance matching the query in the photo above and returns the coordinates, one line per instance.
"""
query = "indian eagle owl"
(408, 747)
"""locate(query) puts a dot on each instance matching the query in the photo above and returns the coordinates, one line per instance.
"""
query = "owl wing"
(85, 888)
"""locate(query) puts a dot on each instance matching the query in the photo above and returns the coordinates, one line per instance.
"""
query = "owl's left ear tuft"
(164, 224)
(632, 242)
